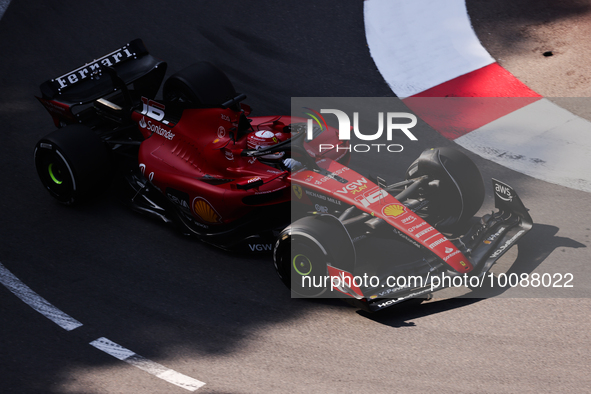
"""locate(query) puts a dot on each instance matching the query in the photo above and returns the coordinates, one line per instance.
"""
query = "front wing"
(483, 245)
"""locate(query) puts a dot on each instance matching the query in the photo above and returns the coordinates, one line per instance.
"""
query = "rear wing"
(133, 64)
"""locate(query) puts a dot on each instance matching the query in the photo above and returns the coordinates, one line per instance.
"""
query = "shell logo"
(394, 210)
(205, 211)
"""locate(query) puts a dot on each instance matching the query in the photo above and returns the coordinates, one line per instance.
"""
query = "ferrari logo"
(297, 190)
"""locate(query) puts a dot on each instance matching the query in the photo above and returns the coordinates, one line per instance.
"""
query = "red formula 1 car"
(194, 158)
(197, 159)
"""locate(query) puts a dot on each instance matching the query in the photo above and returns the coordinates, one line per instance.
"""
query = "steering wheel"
(299, 153)
(294, 145)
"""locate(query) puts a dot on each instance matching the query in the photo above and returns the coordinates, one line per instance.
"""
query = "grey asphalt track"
(225, 319)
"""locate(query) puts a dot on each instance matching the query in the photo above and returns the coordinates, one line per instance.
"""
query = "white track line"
(35, 301)
(41, 305)
(144, 364)
(419, 44)
(3, 6)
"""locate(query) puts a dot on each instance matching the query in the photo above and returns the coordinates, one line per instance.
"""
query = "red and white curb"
(429, 55)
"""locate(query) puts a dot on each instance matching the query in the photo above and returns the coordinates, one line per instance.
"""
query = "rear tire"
(201, 84)
(72, 163)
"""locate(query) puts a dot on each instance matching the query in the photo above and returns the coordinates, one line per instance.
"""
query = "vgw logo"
(345, 130)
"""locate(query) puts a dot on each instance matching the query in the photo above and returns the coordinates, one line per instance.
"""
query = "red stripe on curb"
(470, 101)
(488, 81)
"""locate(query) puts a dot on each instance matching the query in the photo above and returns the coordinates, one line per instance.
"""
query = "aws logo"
(504, 192)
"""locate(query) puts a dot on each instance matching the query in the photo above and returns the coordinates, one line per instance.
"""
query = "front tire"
(461, 190)
(306, 248)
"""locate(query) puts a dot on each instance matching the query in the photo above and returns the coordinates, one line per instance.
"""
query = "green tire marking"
(296, 268)
(52, 175)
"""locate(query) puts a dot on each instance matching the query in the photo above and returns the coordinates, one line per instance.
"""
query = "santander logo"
(166, 133)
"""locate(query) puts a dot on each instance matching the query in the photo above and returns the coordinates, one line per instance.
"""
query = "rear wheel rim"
(55, 175)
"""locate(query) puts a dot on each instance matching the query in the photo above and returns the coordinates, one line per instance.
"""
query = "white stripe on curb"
(149, 366)
(35, 301)
(541, 140)
(419, 44)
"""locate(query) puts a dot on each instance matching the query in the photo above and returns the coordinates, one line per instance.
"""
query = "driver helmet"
(263, 139)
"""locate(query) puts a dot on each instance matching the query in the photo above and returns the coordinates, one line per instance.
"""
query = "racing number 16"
(152, 109)
(374, 197)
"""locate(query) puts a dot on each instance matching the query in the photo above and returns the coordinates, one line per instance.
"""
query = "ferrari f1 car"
(197, 159)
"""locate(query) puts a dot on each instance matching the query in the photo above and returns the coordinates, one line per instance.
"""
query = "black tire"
(200, 84)
(306, 248)
(72, 163)
(461, 191)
